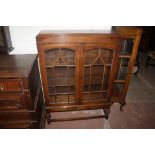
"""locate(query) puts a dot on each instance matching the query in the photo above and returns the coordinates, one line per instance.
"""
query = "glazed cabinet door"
(97, 69)
(59, 69)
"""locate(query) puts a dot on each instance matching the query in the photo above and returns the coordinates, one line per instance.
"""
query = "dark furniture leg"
(48, 118)
(148, 61)
(123, 103)
(106, 112)
(138, 64)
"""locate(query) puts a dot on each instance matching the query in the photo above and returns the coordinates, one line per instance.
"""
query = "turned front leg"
(48, 118)
(122, 105)
(106, 112)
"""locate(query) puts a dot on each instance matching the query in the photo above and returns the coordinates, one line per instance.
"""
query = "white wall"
(24, 37)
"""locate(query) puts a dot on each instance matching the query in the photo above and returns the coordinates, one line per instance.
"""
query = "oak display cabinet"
(86, 69)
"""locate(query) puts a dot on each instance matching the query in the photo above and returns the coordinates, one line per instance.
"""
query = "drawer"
(12, 101)
(11, 115)
(10, 85)
(18, 126)
(14, 116)
(18, 120)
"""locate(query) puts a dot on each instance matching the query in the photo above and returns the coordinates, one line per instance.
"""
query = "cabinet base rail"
(76, 118)
(106, 116)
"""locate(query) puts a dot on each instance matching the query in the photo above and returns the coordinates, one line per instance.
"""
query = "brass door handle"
(18, 105)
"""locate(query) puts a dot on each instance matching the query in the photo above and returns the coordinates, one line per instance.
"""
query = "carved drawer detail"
(10, 85)
(12, 101)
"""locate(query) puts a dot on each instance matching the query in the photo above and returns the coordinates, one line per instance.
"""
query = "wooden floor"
(138, 113)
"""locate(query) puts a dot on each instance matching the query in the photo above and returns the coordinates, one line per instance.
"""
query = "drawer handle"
(1, 87)
(17, 105)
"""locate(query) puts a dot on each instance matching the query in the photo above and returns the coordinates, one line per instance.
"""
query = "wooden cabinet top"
(86, 36)
(77, 32)
(16, 65)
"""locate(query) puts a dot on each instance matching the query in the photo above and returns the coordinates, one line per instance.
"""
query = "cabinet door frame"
(42, 48)
(110, 46)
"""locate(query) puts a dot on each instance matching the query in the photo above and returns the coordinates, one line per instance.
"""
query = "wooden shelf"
(61, 86)
(60, 66)
(125, 56)
(119, 81)
(54, 94)
(107, 65)
(91, 92)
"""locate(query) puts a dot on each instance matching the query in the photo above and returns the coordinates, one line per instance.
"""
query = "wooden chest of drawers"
(21, 99)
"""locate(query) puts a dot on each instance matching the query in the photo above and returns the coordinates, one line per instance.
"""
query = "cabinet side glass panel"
(127, 46)
(118, 89)
(122, 68)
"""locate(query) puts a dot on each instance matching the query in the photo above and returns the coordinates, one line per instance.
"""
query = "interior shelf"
(94, 96)
(106, 65)
(61, 89)
(62, 98)
(50, 66)
(95, 87)
(119, 81)
(125, 56)
(71, 93)
(60, 86)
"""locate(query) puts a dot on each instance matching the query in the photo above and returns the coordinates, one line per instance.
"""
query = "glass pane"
(94, 96)
(97, 66)
(118, 89)
(123, 68)
(127, 46)
(1, 37)
(60, 57)
(98, 56)
(60, 67)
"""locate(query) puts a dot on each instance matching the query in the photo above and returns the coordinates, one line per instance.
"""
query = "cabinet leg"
(138, 64)
(122, 105)
(48, 118)
(148, 61)
(106, 112)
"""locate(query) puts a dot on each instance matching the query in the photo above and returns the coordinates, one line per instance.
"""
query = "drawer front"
(14, 116)
(18, 126)
(10, 85)
(18, 120)
(12, 101)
